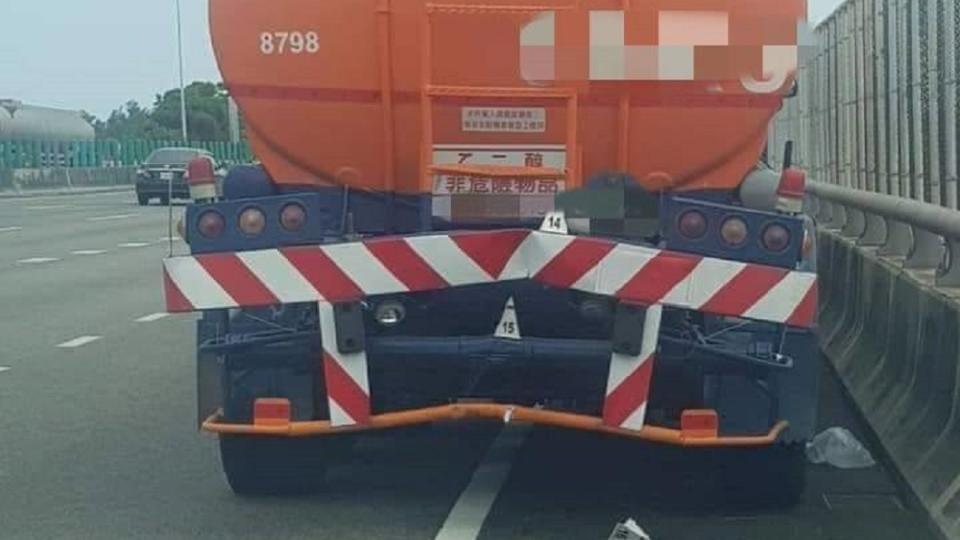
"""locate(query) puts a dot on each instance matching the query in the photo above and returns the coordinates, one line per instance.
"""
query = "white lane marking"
(47, 207)
(133, 244)
(88, 252)
(38, 260)
(4, 368)
(10, 229)
(78, 342)
(153, 317)
(169, 238)
(111, 218)
(470, 511)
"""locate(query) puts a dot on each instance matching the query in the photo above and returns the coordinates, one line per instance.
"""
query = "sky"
(96, 55)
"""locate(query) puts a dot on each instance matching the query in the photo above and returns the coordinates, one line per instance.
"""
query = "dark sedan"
(161, 175)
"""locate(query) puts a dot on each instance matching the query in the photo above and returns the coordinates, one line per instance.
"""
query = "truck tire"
(773, 476)
(143, 199)
(258, 466)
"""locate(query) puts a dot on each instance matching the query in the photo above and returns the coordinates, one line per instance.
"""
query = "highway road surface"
(98, 438)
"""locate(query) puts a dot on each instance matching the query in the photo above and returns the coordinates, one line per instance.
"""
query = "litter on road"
(840, 448)
(628, 530)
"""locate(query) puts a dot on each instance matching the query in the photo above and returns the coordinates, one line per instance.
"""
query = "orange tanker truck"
(553, 213)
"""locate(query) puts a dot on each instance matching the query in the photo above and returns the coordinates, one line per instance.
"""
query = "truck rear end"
(551, 214)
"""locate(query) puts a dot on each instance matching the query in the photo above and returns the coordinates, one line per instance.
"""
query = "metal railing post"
(856, 223)
(949, 272)
(874, 232)
(927, 250)
(898, 241)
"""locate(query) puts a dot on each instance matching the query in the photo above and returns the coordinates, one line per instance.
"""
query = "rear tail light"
(210, 224)
(776, 238)
(734, 231)
(293, 217)
(692, 224)
(252, 221)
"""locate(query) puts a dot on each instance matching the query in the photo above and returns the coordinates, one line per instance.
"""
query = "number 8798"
(291, 42)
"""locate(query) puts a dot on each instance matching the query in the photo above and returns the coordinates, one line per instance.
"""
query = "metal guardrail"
(926, 235)
(34, 154)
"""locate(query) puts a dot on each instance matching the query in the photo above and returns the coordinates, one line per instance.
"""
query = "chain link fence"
(877, 108)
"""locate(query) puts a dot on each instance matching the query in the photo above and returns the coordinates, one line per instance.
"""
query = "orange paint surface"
(333, 91)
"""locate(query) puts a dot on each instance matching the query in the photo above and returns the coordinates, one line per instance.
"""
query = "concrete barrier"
(32, 179)
(894, 338)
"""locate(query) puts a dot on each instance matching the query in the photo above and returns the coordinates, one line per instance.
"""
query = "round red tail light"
(692, 224)
(210, 224)
(776, 238)
(293, 217)
(252, 221)
(734, 231)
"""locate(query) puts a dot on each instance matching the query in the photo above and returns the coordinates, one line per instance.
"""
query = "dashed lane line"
(153, 317)
(88, 252)
(4, 368)
(465, 520)
(111, 218)
(47, 207)
(133, 244)
(38, 260)
(78, 342)
(10, 229)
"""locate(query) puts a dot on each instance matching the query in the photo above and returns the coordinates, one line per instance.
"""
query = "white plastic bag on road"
(628, 530)
(838, 447)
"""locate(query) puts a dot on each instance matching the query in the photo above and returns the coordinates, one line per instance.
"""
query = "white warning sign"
(508, 328)
(505, 119)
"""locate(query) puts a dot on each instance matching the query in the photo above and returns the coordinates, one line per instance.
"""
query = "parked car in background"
(161, 176)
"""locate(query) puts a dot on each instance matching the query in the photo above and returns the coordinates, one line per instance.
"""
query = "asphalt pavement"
(98, 436)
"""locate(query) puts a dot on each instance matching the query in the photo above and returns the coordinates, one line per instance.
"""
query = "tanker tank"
(19, 121)
(414, 96)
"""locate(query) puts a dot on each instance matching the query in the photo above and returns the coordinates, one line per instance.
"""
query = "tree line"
(207, 117)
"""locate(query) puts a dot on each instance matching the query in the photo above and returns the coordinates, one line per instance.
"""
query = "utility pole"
(183, 95)
(233, 117)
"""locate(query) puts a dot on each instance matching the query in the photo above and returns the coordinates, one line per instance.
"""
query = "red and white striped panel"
(348, 387)
(350, 271)
(628, 385)
(651, 276)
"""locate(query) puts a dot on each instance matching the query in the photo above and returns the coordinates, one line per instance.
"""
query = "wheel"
(164, 200)
(257, 466)
(772, 476)
(143, 199)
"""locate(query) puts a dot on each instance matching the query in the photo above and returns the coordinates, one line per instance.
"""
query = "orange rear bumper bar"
(495, 411)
